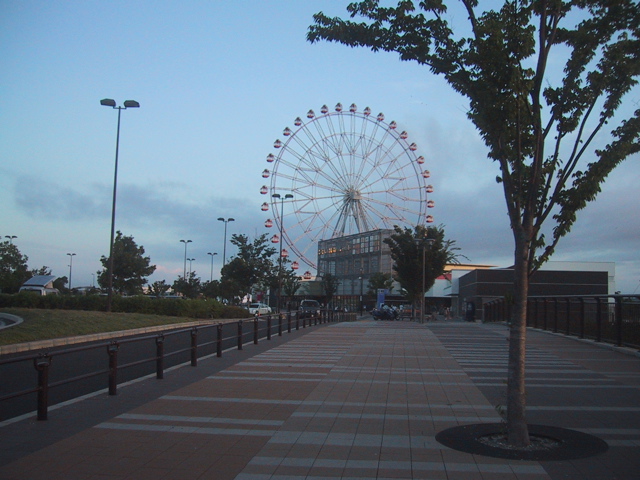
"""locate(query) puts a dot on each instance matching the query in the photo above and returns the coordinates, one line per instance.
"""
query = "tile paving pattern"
(360, 400)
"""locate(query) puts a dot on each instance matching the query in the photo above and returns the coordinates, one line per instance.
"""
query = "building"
(354, 258)
(554, 278)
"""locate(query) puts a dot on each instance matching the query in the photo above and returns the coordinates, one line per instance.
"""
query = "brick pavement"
(352, 400)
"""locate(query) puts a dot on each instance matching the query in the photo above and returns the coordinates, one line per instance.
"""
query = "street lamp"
(184, 271)
(190, 260)
(10, 237)
(212, 254)
(282, 199)
(71, 255)
(361, 278)
(224, 248)
(108, 102)
(421, 242)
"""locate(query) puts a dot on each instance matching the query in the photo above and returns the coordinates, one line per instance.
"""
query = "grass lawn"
(48, 324)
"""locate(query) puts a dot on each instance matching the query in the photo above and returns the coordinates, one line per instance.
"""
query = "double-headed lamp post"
(212, 254)
(282, 199)
(224, 248)
(422, 242)
(10, 237)
(184, 271)
(71, 255)
(108, 102)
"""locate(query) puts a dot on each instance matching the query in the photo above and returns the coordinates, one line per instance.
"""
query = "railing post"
(268, 327)
(297, 320)
(194, 347)
(255, 331)
(289, 322)
(618, 311)
(582, 311)
(279, 324)
(42, 364)
(555, 315)
(160, 357)
(304, 321)
(112, 350)
(568, 303)
(544, 318)
(598, 320)
(219, 340)
(240, 335)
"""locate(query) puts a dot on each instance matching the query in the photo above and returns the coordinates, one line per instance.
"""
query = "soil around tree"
(547, 443)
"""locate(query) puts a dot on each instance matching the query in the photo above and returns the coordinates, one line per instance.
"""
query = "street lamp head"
(185, 241)
(231, 219)
(108, 102)
(288, 195)
(131, 104)
(275, 195)
(212, 254)
(221, 219)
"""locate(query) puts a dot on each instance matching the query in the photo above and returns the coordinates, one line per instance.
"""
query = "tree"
(44, 270)
(13, 268)
(546, 131)
(130, 267)
(379, 280)
(406, 251)
(329, 285)
(189, 287)
(211, 289)
(290, 282)
(158, 288)
(251, 267)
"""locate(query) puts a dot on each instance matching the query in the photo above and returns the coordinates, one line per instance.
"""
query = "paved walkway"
(354, 400)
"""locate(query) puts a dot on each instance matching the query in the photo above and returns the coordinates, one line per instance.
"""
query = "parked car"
(309, 308)
(259, 309)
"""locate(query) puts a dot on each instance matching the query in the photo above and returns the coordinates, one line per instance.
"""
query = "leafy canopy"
(540, 128)
(130, 266)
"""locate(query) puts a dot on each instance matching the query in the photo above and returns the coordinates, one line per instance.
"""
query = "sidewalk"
(352, 400)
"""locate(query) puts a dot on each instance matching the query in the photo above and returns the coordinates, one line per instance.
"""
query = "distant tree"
(290, 283)
(159, 288)
(406, 251)
(252, 266)
(329, 285)
(13, 268)
(543, 79)
(190, 288)
(379, 280)
(130, 267)
(41, 271)
(61, 284)
(211, 289)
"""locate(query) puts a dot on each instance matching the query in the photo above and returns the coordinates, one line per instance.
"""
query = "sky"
(217, 82)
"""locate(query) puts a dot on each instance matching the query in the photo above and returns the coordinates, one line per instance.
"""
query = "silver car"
(259, 309)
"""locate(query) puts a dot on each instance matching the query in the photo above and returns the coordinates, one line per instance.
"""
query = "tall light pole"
(224, 248)
(190, 261)
(422, 242)
(71, 255)
(212, 254)
(282, 199)
(108, 102)
(10, 237)
(184, 272)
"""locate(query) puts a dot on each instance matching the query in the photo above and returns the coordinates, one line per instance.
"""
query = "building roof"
(39, 281)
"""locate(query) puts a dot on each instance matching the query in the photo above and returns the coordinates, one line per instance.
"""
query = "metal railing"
(604, 318)
(183, 341)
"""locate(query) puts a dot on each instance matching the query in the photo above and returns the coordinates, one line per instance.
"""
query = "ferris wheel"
(339, 173)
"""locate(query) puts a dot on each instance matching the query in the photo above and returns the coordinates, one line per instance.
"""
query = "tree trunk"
(516, 396)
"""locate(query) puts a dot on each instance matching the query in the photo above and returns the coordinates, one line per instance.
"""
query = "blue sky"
(217, 83)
